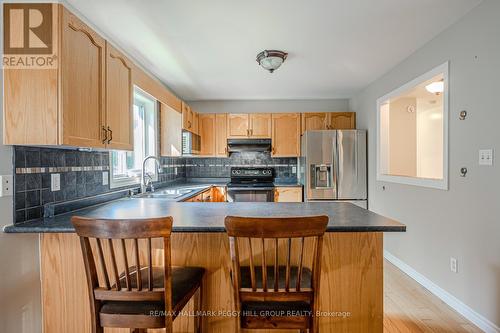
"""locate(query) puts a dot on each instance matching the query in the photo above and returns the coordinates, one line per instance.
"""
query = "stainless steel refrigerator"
(333, 166)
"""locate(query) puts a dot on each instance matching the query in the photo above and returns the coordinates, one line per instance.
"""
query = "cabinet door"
(237, 125)
(260, 125)
(196, 122)
(286, 134)
(314, 121)
(288, 194)
(119, 95)
(187, 117)
(342, 120)
(221, 134)
(170, 131)
(207, 133)
(82, 84)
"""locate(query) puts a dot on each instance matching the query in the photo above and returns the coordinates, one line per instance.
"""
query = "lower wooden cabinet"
(288, 194)
(213, 194)
(285, 134)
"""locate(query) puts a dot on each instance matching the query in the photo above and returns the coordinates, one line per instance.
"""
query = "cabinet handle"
(189, 124)
(105, 135)
(110, 135)
(273, 150)
(251, 132)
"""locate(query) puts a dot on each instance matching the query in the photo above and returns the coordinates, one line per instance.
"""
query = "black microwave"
(191, 143)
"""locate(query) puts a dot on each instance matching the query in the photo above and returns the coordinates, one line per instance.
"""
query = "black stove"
(250, 184)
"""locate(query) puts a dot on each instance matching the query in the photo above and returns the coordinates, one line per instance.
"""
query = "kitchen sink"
(166, 193)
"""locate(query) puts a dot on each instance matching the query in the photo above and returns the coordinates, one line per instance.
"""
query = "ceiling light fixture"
(435, 87)
(271, 59)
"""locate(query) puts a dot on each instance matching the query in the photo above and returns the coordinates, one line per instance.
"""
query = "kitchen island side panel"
(351, 283)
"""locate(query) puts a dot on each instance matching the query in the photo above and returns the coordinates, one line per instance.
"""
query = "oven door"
(250, 194)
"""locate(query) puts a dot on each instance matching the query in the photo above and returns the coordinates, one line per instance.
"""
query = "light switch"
(55, 182)
(486, 157)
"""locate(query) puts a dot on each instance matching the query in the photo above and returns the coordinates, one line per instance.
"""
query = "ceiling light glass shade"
(435, 87)
(271, 59)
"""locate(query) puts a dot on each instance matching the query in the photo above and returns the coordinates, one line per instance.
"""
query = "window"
(412, 132)
(126, 165)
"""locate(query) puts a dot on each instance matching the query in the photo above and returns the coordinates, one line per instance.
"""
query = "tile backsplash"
(80, 176)
(285, 168)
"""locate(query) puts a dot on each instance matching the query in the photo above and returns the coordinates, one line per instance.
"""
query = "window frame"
(441, 184)
(129, 181)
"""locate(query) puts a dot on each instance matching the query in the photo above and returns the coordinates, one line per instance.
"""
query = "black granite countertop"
(209, 217)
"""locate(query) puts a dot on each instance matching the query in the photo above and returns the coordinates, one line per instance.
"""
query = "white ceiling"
(206, 50)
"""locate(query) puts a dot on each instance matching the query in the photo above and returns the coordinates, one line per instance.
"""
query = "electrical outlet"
(55, 182)
(453, 265)
(105, 178)
(175, 171)
(294, 169)
(486, 157)
(7, 183)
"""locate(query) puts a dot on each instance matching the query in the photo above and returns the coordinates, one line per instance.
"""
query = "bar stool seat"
(185, 280)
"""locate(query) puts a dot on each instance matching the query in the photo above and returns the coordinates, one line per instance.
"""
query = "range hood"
(248, 145)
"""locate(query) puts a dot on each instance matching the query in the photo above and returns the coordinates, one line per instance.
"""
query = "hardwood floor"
(409, 307)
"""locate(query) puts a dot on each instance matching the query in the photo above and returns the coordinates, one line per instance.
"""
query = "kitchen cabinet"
(288, 194)
(314, 121)
(213, 194)
(219, 194)
(207, 131)
(253, 125)
(86, 102)
(259, 125)
(342, 120)
(328, 121)
(119, 100)
(286, 134)
(187, 117)
(220, 135)
(190, 119)
(170, 131)
(82, 84)
(65, 106)
(237, 125)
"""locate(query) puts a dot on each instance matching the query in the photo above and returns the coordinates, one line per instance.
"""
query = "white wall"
(463, 222)
(255, 106)
(20, 305)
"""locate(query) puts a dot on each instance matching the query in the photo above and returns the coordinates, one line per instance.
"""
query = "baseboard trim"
(477, 319)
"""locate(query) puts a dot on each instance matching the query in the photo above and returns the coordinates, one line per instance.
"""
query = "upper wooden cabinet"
(190, 119)
(170, 131)
(220, 135)
(207, 133)
(314, 121)
(328, 121)
(254, 125)
(260, 125)
(85, 103)
(119, 100)
(342, 120)
(213, 134)
(82, 84)
(237, 125)
(286, 134)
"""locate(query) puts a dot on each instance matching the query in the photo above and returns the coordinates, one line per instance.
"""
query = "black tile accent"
(32, 157)
(33, 190)
(32, 198)
(33, 181)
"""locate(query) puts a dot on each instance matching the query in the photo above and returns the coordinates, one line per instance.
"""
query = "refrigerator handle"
(356, 153)
(335, 161)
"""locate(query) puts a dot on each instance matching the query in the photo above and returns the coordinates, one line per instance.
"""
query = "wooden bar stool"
(272, 288)
(142, 296)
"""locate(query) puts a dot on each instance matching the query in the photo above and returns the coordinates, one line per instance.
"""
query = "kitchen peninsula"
(352, 266)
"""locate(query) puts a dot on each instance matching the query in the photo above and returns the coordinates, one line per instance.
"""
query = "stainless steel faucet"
(145, 183)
